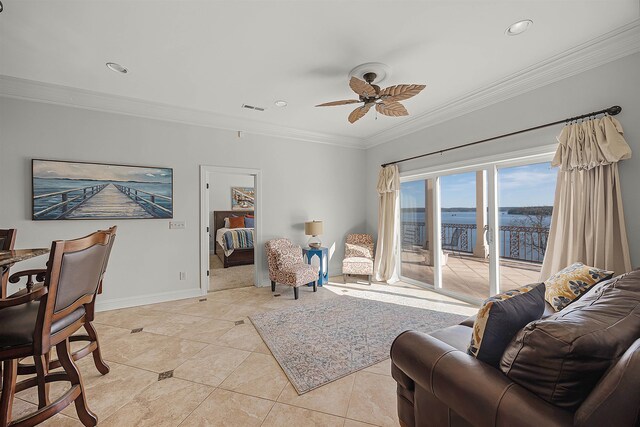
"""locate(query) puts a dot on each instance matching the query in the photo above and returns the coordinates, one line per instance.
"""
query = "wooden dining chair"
(7, 240)
(34, 322)
(91, 336)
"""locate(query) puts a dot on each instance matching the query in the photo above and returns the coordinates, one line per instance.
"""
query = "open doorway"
(231, 219)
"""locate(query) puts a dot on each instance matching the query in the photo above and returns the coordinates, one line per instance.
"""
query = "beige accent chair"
(287, 266)
(358, 256)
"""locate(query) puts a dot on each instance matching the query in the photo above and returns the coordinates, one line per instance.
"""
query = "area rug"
(321, 343)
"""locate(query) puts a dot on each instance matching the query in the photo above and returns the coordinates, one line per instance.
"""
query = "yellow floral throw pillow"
(569, 284)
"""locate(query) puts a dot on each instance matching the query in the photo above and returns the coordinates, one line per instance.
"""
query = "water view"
(67, 190)
(525, 206)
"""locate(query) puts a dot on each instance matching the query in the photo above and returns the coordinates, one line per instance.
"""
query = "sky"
(530, 185)
(70, 170)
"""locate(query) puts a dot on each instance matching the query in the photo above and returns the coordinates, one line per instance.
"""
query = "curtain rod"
(612, 111)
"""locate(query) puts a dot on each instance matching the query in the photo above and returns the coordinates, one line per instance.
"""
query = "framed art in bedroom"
(81, 190)
(242, 198)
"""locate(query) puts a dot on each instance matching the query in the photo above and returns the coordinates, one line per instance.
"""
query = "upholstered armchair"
(358, 256)
(287, 266)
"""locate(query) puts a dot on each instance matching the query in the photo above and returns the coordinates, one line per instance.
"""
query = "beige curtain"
(587, 224)
(384, 268)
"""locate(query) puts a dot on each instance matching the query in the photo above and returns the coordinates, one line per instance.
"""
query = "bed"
(232, 256)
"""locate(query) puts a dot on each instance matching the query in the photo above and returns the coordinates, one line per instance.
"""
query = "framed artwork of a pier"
(79, 190)
(242, 198)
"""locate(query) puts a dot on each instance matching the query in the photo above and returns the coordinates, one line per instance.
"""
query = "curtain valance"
(388, 179)
(591, 143)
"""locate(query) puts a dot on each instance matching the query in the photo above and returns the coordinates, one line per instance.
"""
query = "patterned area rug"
(318, 344)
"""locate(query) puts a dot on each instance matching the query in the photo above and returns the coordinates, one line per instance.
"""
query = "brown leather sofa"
(439, 384)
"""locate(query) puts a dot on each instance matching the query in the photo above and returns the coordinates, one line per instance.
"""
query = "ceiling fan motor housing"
(378, 70)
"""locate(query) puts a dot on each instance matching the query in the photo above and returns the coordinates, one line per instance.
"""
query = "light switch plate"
(177, 225)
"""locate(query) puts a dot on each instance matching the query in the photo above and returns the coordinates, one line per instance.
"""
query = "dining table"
(8, 258)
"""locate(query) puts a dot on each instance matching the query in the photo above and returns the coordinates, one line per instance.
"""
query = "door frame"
(206, 179)
(489, 164)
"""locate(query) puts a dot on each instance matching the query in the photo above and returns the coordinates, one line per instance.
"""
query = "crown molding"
(13, 87)
(616, 44)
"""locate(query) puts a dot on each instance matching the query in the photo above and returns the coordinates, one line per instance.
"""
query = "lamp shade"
(313, 228)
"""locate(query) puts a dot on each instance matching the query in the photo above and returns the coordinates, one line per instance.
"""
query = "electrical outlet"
(177, 225)
(183, 275)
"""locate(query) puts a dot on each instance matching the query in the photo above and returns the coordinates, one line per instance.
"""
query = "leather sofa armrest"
(481, 394)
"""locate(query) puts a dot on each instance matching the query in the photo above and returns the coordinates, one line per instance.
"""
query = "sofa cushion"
(501, 317)
(562, 357)
(457, 336)
(569, 284)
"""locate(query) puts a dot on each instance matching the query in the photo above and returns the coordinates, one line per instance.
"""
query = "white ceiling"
(214, 56)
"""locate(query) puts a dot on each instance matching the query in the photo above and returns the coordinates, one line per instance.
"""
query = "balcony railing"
(521, 243)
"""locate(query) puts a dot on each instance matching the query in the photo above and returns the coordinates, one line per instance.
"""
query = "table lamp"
(313, 229)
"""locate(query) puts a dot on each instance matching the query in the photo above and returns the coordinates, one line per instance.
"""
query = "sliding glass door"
(525, 204)
(416, 220)
(452, 222)
(465, 270)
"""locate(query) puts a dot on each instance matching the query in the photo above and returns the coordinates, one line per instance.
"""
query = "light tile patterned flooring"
(468, 275)
(222, 372)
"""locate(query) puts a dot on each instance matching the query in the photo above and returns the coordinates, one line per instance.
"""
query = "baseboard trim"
(116, 303)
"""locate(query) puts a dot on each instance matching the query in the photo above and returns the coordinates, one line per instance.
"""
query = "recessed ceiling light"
(518, 27)
(280, 103)
(117, 68)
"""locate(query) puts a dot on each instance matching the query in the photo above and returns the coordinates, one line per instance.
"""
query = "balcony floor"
(468, 275)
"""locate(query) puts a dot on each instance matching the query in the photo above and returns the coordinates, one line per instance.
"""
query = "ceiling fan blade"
(400, 92)
(359, 112)
(362, 88)
(345, 102)
(393, 109)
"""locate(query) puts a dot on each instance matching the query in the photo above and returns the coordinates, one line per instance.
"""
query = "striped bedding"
(236, 238)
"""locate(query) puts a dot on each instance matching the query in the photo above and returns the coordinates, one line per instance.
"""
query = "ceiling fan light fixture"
(113, 66)
(519, 27)
(280, 103)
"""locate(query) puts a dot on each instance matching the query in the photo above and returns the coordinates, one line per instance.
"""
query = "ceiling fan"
(385, 100)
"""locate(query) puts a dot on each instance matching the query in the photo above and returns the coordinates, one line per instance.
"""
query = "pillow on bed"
(226, 223)
(236, 222)
(249, 221)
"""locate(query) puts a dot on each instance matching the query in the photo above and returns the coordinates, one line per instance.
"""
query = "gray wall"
(616, 83)
(220, 189)
(220, 195)
(147, 256)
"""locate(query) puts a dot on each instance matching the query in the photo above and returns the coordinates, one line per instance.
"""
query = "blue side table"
(323, 261)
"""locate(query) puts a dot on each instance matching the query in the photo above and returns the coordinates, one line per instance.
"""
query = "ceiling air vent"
(251, 107)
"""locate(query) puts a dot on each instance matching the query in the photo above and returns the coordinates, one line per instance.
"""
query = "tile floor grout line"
(268, 413)
(199, 404)
(353, 386)
(257, 308)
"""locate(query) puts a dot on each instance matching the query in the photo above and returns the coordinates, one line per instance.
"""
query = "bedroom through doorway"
(232, 224)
